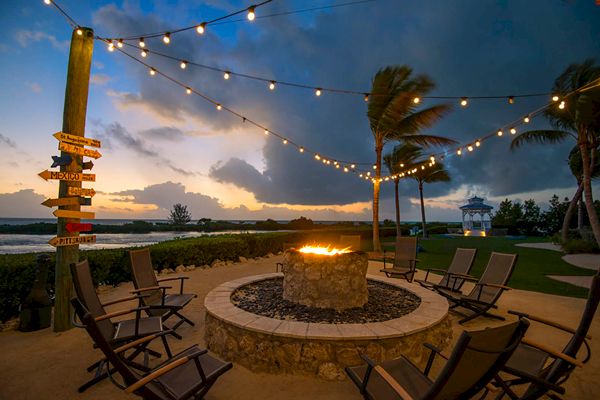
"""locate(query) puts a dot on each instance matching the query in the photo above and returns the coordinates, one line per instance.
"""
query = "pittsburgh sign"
(67, 176)
(71, 240)
(73, 149)
(75, 191)
(79, 140)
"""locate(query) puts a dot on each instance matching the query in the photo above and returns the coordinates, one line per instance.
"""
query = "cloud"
(100, 79)
(24, 203)
(7, 141)
(167, 133)
(26, 37)
(35, 87)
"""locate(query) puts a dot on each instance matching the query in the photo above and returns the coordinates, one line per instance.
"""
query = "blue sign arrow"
(64, 160)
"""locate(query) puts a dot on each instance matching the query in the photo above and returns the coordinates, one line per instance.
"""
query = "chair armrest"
(123, 299)
(149, 288)
(434, 351)
(443, 271)
(163, 370)
(393, 383)
(119, 313)
(464, 276)
(494, 285)
(142, 340)
(552, 352)
(180, 278)
(548, 322)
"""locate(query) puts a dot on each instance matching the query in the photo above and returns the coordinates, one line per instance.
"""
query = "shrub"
(580, 246)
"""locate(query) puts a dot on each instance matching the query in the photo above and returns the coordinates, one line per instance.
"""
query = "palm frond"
(402, 154)
(541, 137)
(424, 140)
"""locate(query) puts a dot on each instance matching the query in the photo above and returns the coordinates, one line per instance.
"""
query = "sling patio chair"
(159, 302)
(405, 259)
(187, 375)
(461, 265)
(487, 349)
(486, 291)
(541, 370)
(115, 333)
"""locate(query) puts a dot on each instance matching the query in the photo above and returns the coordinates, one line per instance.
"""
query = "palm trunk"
(422, 210)
(587, 190)
(398, 230)
(580, 213)
(569, 214)
(376, 184)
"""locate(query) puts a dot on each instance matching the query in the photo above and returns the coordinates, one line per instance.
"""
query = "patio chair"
(187, 375)
(405, 259)
(487, 349)
(159, 302)
(487, 290)
(352, 241)
(544, 369)
(461, 265)
(115, 333)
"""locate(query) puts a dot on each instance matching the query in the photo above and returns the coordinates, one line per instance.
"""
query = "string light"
(272, 85)
(500, 132)
(285, 141)
(152, 71)
(470, 148)
(366, 97)
(459, 152)
(513, 131)
(317, 91)
(120, 43)
(416, 100)
(561, 105)
(167, 38)
(142, 43)
(201, 28)
(477, 143)
(374, 166)
(511, 99)
(79, 31)
(432, 158)
(266, 131)
(48, 2)
(353, 166)
(251, 14)
(345, 169)
(301, 149)
(226, 75)
(219, 107)
(464, 101)
(526, 119)
(111, 46)
(188, 91)
(183, 64)
(144, 53)
(317, 157)
(555, 98)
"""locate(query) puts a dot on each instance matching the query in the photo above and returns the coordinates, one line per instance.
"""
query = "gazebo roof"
(476, 203)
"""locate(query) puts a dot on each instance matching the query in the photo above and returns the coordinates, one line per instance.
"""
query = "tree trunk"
(587, 190)
(376, 187)
(422, 210)
(569, 214)
(398, 230)
(580, 213)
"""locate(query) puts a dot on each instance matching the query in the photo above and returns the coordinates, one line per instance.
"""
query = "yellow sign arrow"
(74, 214)
(74, 139)
(69, 148)
(75, 191)
(71, 240)
(67, 176)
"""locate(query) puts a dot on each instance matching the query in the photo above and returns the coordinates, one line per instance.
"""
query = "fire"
(322, 250)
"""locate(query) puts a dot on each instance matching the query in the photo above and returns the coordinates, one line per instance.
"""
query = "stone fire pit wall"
(337, 281)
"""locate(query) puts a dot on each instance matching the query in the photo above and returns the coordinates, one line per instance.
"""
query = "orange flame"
(322, 250)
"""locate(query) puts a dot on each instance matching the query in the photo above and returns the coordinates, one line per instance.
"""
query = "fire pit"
(325, 278)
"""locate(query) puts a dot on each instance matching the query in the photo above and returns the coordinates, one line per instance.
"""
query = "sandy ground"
(47, 365)
(544, 246)
(587, 261)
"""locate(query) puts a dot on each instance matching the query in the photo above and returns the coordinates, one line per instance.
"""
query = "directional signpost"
(67, 176)
(68, 201)
(75, 191)
(71, 240)
(79, 140)
(74, 214)
(87, 165)
(74, 149)
(77, 227)
(60, 161)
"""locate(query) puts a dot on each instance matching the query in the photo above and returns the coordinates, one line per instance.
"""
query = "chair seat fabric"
(527, 359)
(403, 371)
(396, 270)
(125, 330)
(172, 300)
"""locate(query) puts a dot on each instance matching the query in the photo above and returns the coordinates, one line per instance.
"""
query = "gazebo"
(476, 227)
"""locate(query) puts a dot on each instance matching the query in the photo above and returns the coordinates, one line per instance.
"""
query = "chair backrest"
(352, 241)
(498, 271)
(86, 293)
(461, 264)
(477, 357)
(406, 251)
(558, 371)
(143, 274)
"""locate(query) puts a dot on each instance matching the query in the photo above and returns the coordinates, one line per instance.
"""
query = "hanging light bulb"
(188, 90)
(360, 175)
(142, 43)
(464, 101)
(111, 46)
(459, 152)
(366, 97)
(374, 166)
(251, 14)
(561, 105)
(401, 165)
(526, 119)
(120, 43)
(352, 166)
(201, 28)
(500, 132)
(511, 99)
(387, 178)
(422, 167)
(183, 64)
(301, 149)
(152, 71)
(317, 91)
(272, 85)
(337, 166)
(226, 75)
(432, 158)
(416, 100)
(219, 107)
(345, 169)
(470, 148)
(266, 131)
(144, 53)
(48, 2)
(328, 162)
(79, 31)
(317, 157)
(477, 143)
(285, 141)
(369, 173)
(555, 98)
(513, 131)
(167, 38)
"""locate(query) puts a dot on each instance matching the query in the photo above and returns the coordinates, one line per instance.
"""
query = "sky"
(161, 146)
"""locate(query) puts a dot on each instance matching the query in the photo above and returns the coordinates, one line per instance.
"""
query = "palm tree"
(579, 119)
(434, 173)
(397, 161)
(576, 166)
(393, 115)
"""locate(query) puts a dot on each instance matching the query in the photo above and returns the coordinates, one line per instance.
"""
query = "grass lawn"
(532, 264)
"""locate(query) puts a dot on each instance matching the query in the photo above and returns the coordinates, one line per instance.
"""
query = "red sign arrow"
(75, 227)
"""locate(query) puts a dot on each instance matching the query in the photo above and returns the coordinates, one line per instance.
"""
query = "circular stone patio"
(265, 344)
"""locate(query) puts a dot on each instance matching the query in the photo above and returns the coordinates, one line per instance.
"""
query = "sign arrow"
(68, 201)
(75, 191)
(67, 176)
(60, 161)
(69, 148)
(74, 214)
(87, 165)
(79, 140)
(71, 240)
(75, 227)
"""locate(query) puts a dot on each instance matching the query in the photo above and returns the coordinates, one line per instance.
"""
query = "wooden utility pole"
(76, 96)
